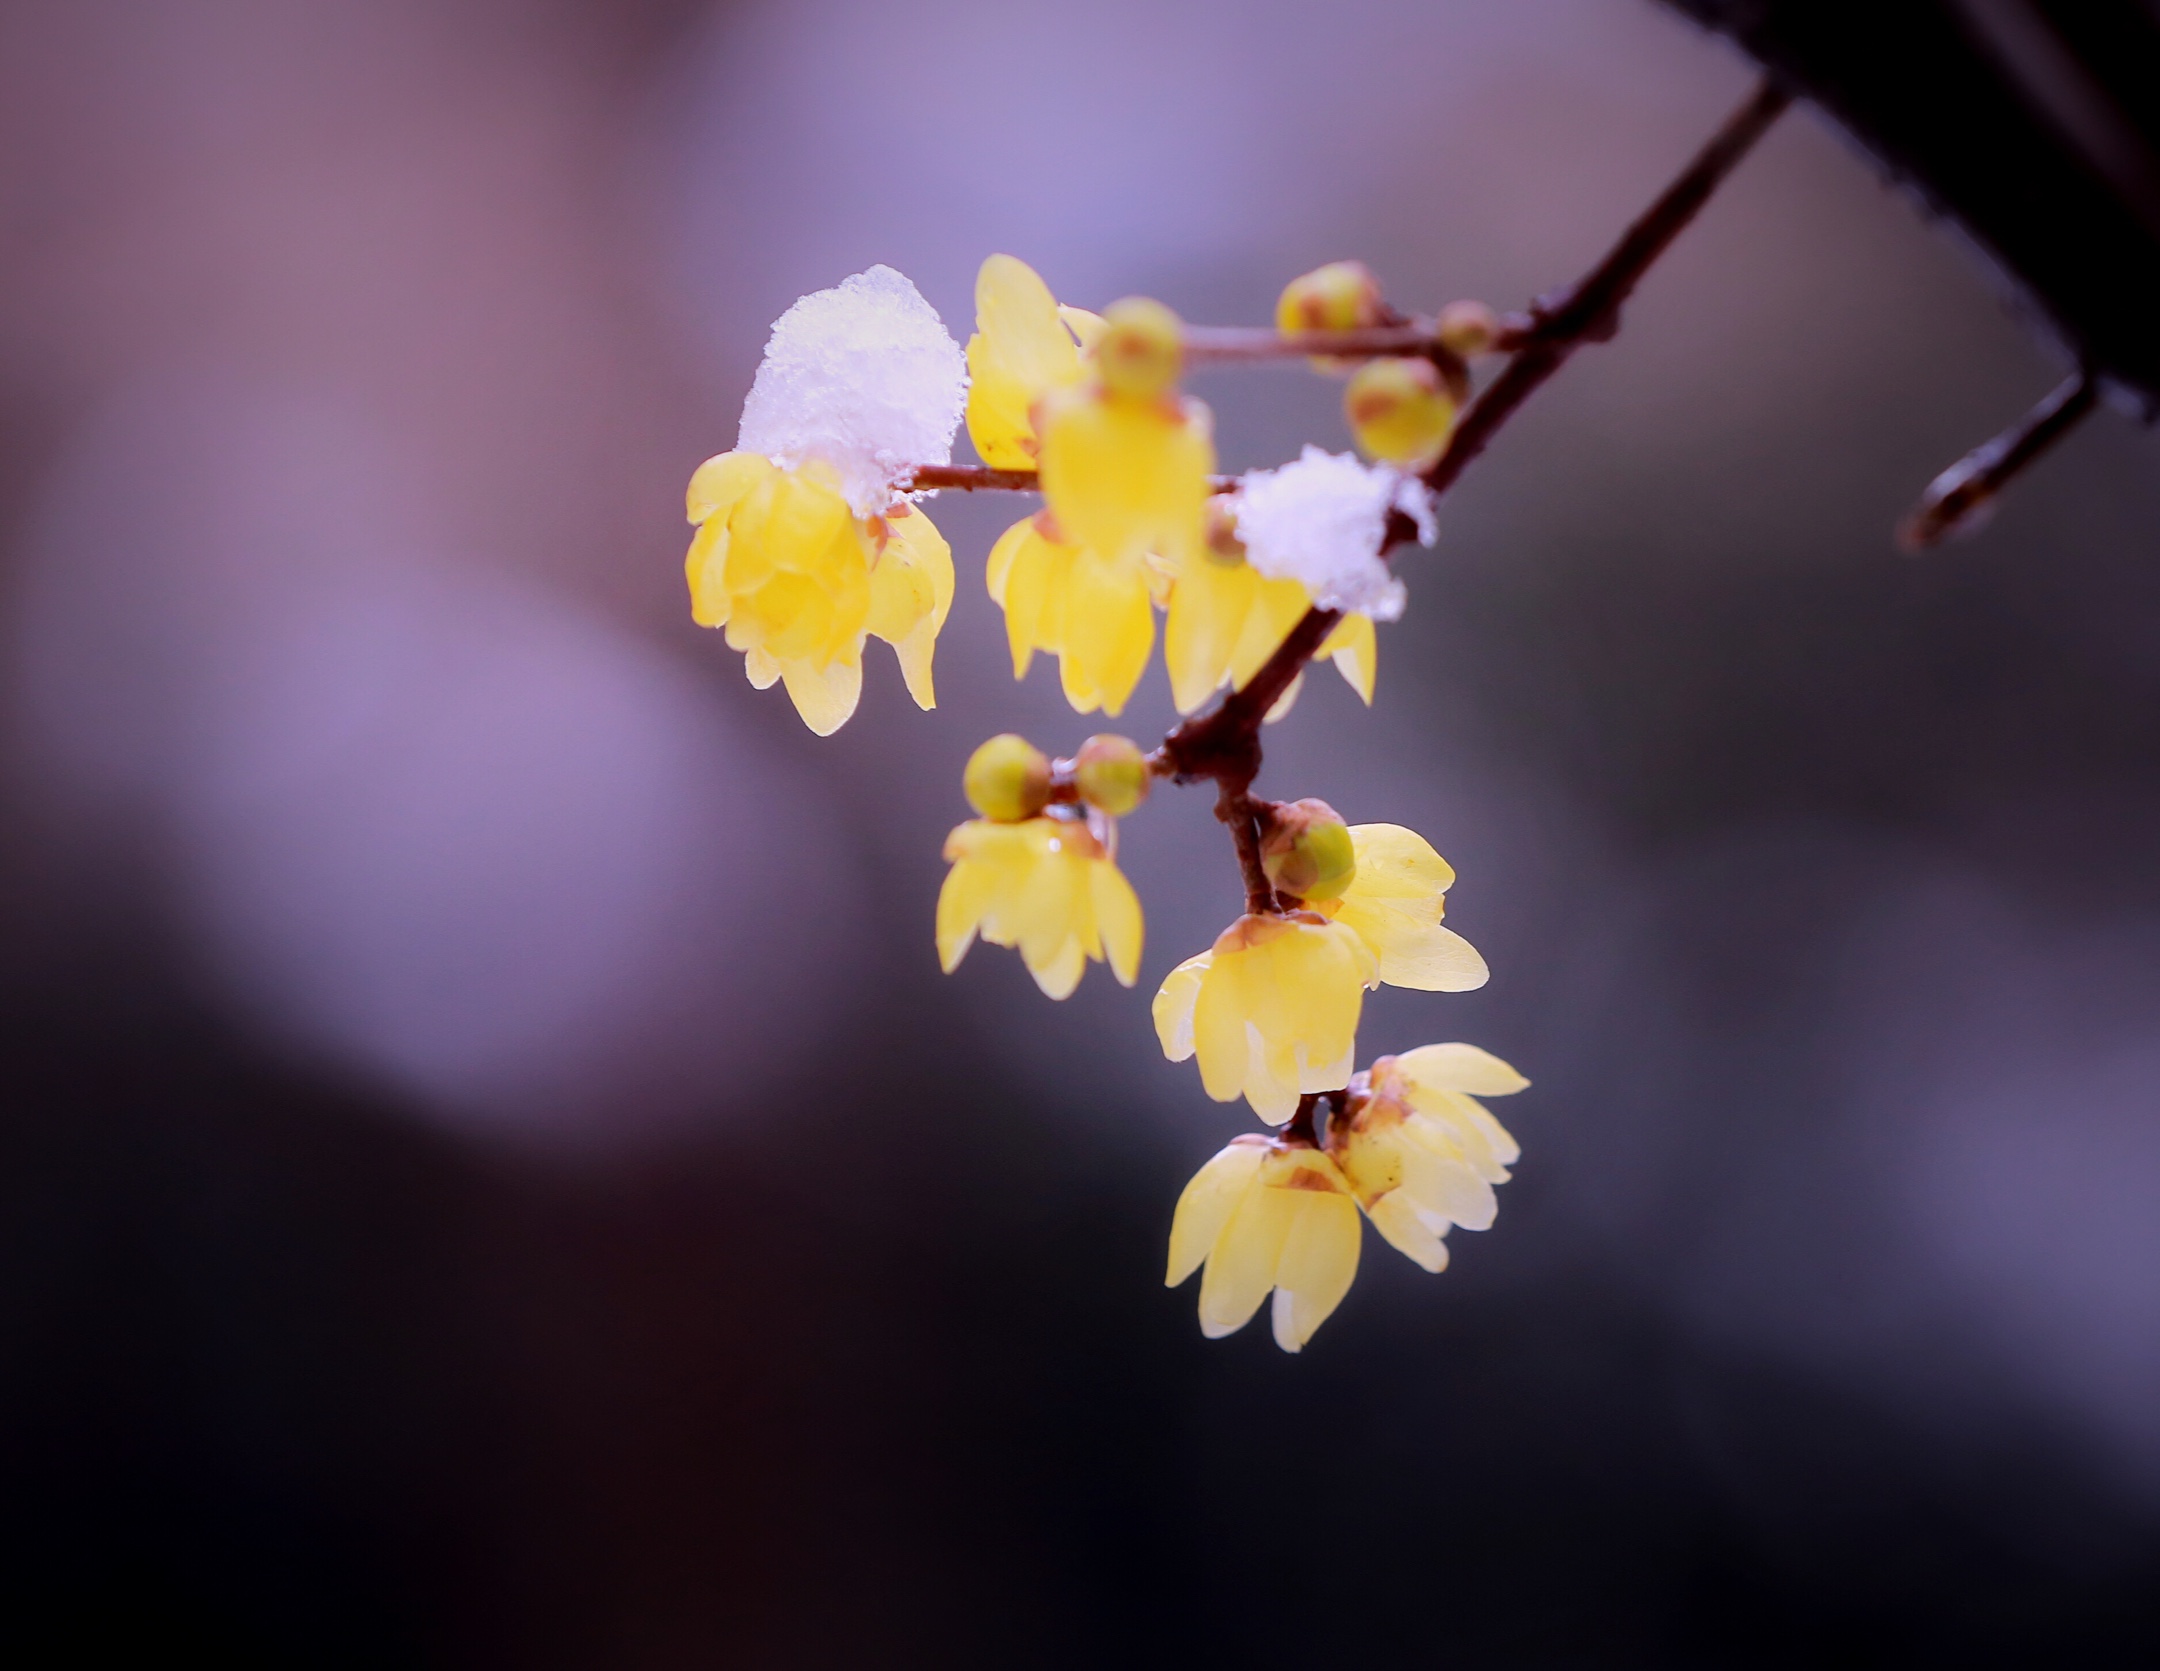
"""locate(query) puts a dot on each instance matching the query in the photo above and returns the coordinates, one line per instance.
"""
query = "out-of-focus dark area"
(490, 1172)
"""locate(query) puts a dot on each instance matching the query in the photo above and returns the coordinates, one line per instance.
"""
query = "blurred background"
(490, 1172)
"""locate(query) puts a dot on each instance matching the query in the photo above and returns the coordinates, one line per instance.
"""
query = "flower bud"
(1140, 350)
(1222, 543)
(1007, 779)
(1342, 296)
(1307, 852)
(1111, 774)
(1467, 328)
(1400, 411)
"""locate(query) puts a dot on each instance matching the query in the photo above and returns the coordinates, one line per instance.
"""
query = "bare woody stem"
(1224, 743)
(1958, 500)
(1589, 310)
(981, 478)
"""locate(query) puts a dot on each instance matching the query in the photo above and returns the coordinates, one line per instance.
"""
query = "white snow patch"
(863, 376)
(1322, 520)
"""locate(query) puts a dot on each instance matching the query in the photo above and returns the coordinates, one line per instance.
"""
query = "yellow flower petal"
(1396, 1219)
(1086, 326)
(1125, 478)
(1277, 606)
(1117, 915)
(1318, 1263)
(1046, 887)
(1355, 649)
(1271, 1010)
(720, 483)
(1207, 1202)
(824, 697)
(915, 549)
(704, 566)
(1209, 599)
(1021, 350)
(1395, 903)
(1458, 1067)
(1241, 1267)
(960, 906)
(1173, 1007)
(1109, 629)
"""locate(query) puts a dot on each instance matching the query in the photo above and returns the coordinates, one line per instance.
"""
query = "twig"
(971, 478)
(981, 478)
(1243, 814)
(1234, 344)
(1958, 501)
(1589, 310)
(1224, 744)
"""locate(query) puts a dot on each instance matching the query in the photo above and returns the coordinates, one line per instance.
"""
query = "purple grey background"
(490, 1171)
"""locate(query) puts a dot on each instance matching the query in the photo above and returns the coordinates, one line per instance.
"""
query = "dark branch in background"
(1224, 744)
(1959, 500)
(2040, 140)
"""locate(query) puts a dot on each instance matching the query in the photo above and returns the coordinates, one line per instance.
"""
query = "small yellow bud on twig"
(1400, 411)
(1139, 353)
(1111, 774)
(1007, 779)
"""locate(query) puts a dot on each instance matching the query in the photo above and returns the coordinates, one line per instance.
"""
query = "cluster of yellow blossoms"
(808, 542)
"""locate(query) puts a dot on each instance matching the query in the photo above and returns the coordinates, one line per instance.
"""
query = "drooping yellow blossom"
(1225, 620)
(798, 581)
(1266, 1215)
(1093, 614)
(1046, 885)
(1025, 346)
(1125, 457)
(1083, 591)
(1418, 1149)
(1271, 1010)
(1395, 902)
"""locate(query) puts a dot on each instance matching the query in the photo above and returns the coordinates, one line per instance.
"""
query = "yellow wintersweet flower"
(1125, 458)
(1266, 1215)
(1085, 598)
(1048, 885)
(1420, 1152)
(1025, 346)
(1395, 902)
(1271, 1010)
(798, 580)
(1093, 614)
(1225, 620)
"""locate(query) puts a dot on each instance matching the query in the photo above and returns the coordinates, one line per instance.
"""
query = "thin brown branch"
(971, 478)
(981, 478)
(1224, 744)
(1958, 501)
(1207, 345)
(1589, 310)
(1243, 814)
(1303, 1131)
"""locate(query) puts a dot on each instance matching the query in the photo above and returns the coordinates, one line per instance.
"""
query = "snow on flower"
(863, 377)
(1323, 520)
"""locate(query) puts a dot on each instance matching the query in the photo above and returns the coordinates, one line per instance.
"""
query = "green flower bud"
(1306, 851)
(1007, 779)
(1111, 774)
